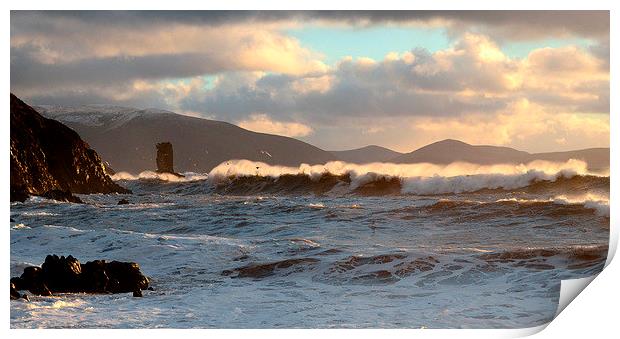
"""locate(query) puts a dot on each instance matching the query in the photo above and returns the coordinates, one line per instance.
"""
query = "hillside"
(366, 154)
(126, 138)
(448, 151)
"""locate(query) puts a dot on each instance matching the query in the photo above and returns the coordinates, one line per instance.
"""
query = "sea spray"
(151, 175)
(419, 179)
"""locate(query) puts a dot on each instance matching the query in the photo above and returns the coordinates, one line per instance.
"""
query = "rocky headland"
(51, 160)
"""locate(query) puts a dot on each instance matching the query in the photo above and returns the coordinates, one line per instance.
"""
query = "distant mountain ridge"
(126, 137)
(449, 150)
(368, 154)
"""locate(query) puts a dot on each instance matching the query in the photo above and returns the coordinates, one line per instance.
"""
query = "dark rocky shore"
(68, 275)
(49, 159)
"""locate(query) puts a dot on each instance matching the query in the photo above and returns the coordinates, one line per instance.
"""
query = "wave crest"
(241, 176)
(150, 175)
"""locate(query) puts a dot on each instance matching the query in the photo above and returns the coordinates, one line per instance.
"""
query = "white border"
(594, 312)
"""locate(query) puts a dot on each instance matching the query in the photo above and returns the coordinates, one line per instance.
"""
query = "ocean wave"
(247, 177)
(573, 256)
(596, 202)
(369, 172)
(150, 175)
(20, 226)
(389, 268)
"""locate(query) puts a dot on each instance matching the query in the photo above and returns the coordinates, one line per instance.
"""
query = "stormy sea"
(250, 245)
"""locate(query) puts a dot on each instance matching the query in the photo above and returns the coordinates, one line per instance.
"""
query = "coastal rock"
(107, 168)
(14, 294)
(165, 159)
(61, 274)
(50, 159)
(94, 277)
(126, 277)
(32, 280)
(59, 195)
(19, 194)
(123, 202)
(67, 274)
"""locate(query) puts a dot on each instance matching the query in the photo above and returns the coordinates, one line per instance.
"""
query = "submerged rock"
(31, 280)
(14, 294)
(49, 159)
(258, 271)
(59, 195)
(123, 202)
(67, 274)
(19, 194)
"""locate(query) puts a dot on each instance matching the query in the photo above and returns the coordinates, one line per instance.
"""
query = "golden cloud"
(259, 122)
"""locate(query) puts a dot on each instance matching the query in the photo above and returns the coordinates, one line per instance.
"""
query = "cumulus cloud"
(231, 65)
(258, 122)
(473, 76)
(521, 125)
(506, 24)
(75, 49)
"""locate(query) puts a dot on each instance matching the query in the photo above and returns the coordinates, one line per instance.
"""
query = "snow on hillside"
(107, 116)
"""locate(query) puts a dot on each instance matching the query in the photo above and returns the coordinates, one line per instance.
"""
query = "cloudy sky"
(537, 81)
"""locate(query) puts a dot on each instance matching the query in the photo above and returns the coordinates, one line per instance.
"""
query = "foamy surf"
(298, 246)
(236, 168)
(597, 202)
(151, 175)
(421, 179)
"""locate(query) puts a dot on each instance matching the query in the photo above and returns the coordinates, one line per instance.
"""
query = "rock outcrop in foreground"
(49, 159)
(67, 275)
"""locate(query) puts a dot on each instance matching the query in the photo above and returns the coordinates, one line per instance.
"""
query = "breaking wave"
(247, 177)
(525, 207)
(592, 201)
(150, 175)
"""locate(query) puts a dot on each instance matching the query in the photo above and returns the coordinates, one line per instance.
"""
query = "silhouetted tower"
(165, 158)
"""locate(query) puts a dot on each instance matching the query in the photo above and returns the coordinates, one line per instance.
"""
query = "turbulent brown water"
(335, 245)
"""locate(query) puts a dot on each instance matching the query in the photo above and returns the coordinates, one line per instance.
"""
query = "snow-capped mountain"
(125, 137)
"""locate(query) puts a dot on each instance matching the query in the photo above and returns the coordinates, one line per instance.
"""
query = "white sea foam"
(420, 178)
(184, 243)
(20, 226)
(597, 202)
(318, 205)
(38, 214)
(594, 201)
(150, 175)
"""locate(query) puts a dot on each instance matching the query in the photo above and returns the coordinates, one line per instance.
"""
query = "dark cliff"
(47, 156)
